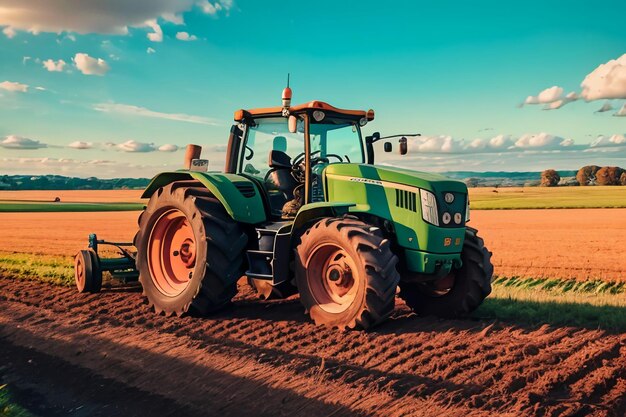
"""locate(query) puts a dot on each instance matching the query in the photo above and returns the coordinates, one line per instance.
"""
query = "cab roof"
(242, 114)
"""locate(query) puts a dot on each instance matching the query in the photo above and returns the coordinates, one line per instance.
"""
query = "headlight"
(467, 216)
(429, 207)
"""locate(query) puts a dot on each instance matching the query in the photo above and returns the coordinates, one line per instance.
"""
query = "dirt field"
(572, 243)
(267, 359)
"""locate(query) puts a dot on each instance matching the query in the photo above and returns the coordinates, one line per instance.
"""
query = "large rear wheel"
(189, 250)
(458, 293)
(346, 273)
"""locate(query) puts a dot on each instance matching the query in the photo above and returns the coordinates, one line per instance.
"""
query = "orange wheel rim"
(171, 253)
(333, 278)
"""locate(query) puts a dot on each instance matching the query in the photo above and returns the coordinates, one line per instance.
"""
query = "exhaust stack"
(192, 152)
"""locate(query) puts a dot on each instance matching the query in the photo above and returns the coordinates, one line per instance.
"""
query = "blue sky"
(137, 76)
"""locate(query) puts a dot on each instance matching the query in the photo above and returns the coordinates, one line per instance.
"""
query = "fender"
(239, 196)
(314, 211)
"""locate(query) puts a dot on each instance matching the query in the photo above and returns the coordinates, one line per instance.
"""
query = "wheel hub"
(331, 278)
(339, 276)
(187, 253)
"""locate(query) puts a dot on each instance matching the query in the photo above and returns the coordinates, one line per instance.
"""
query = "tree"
(609, 175)
(622, 178)
(587, 175)
(550, 178)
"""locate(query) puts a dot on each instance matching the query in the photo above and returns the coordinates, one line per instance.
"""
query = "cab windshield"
(336, 142)
(331, 142)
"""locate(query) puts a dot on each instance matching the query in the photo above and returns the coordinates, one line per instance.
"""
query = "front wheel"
(460, 292)
(346, 273)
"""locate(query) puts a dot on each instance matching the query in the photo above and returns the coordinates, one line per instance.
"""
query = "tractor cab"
(286, 149)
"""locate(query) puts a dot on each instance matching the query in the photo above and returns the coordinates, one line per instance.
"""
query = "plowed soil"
(106, 354)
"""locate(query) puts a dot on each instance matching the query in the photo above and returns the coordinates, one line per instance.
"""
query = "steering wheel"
(314, 160)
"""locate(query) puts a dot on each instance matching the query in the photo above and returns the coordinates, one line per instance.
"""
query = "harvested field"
(62, 234)
(74, 196)
(574, 243)
(268, 359)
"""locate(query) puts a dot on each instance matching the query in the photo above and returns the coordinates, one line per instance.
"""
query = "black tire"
(372, 261)
(219, 247)
(472, 284)
(87, 273)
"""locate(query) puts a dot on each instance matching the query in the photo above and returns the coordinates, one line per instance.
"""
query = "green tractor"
(301, 208)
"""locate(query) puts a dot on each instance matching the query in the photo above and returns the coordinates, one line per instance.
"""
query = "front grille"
(246, 189)
(406, 200)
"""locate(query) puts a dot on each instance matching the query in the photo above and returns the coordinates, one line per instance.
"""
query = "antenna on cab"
(286, 98)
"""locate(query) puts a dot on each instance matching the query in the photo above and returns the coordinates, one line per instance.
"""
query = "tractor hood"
(377, 174)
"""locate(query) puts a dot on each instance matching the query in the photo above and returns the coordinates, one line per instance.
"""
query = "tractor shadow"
(112, 286)
(523, 313)
(248, 306)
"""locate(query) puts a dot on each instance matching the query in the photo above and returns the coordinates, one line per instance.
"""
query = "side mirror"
(293, 124)
(375, 136)
(404, 147)
(388, 147)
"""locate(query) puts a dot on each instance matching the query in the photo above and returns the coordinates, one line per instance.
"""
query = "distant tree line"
(58, 182)
(586, 176)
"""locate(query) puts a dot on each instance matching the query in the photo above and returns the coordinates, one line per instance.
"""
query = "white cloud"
(9, 32)
(552, 98)
(157, 35)
(213, 8)
(134, 146)
(607, 106)
(54, 66)
(82, 16)
(18, 142)
(80, 145)
(608, 81)
(14, 86)
(150, 50)
(604, 141)
(546, 96)
(501, 143)
(131, 110)
(621, 112)
(168, 148)
(435, 144)
(561, 102)
(184, 36)
(90, 66)
(541, 141)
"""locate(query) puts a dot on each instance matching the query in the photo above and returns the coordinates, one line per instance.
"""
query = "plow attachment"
(89, 265)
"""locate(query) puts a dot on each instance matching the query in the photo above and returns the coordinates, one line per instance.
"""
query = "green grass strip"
(8, 406)
(53, 269)
(589, 304)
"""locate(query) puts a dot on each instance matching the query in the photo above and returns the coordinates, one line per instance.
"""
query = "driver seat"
(280, 164)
